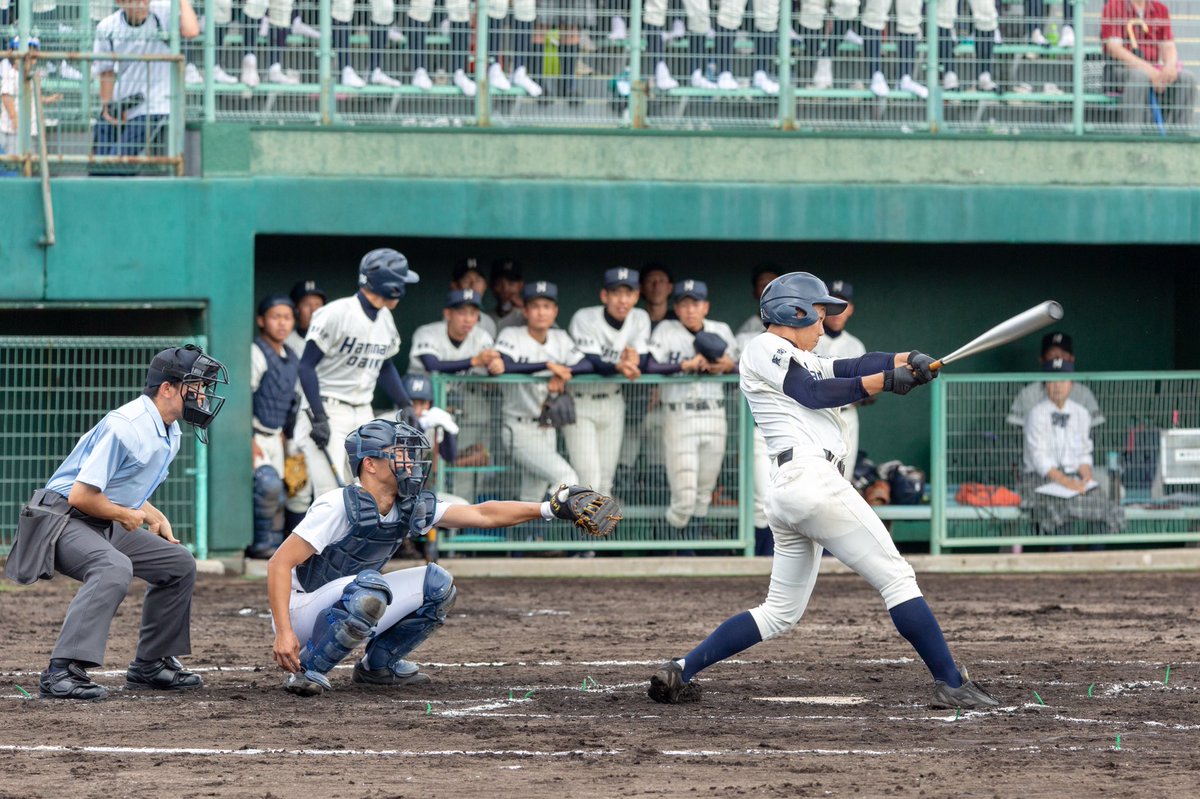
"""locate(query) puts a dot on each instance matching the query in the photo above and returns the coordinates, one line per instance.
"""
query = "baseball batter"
(694, 425)
(350, 345)
(537, 348)
(324, 583)
(838, 343)
(614, 337)
(794, 396)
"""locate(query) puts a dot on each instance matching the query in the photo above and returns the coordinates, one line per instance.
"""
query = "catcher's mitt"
(295, 473)
(710, 345)
(557, 411)
(589, 510)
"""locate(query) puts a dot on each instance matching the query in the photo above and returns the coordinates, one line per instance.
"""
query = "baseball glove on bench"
(591, 511)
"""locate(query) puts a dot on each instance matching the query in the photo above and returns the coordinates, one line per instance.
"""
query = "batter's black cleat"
(404, 675)
(163, 674)
(71, 682)
(667, 685)
(967, 696)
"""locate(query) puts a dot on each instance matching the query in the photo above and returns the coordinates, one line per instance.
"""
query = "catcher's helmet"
(386, 273)
(405, 446)
(788, 294)
(199, 375)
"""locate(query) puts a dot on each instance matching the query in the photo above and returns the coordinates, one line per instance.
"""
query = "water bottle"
(1114, 475)
(1052, 34)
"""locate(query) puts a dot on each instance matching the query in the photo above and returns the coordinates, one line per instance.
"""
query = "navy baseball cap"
(465, 265)
(540, 288)
(418, 387)
(1058, 339)
(270, 301)
(621, 276)
(842, 290)
(1058, 365)
(306, 287)
(696, 289)
(506, 270)
(463, 297)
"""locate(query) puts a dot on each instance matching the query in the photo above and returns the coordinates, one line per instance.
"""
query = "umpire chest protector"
(277, 389)
(371, 541)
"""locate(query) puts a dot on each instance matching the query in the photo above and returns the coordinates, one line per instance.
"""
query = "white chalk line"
(206, 751)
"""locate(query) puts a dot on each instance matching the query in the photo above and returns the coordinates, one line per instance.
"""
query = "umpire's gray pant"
(105, 558)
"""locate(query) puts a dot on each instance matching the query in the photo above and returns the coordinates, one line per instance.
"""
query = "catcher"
(324, 582)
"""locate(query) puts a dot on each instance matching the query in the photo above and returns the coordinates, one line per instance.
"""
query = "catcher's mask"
(198, 375)
(405, 447)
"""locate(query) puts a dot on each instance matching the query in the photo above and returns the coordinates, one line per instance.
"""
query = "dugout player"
(324, 584)
(468, 275)
(694, 425)
(537, 348)
(508, 284)
(838, 343)
(87, 523)
(1056, 346)
(348, 351)
(794, 396)
(307, 296)
(615, 338)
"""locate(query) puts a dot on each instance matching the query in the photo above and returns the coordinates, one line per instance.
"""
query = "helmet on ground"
(386, 273)
(404, 446)
(199, 374)
(789, 299)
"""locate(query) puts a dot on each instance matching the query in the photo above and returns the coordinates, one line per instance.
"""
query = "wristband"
(547, 514)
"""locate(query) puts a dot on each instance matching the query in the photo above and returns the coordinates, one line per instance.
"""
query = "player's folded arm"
(831, 392)
(434, 364)
(869, 364)
(514, 368)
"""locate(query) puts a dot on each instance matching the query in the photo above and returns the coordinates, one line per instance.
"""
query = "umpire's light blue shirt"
(126, 455)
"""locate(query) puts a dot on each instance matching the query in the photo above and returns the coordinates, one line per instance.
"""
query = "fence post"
(325, 61)
(175, 123)
(787, 90)
(483, 103)
(745, 475)
(933, 106)
(1077, 68)
(938, 470)
(201, 501)
(210, 62)
(637, 98)
(25, 104)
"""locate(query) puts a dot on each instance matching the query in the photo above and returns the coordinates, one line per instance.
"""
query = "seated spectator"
(1145, 67)
(1055, 346)
(10, 100)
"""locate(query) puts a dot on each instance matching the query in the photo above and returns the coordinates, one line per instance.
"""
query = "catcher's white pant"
(408, 594)
(766, 14)
(908, 15)
(698, 13)
(279, 12)
(594, 441)
(812, 12)
(457, 10)
(343, 420)
(382, 11)
(535, 450)
(811, 507)
(523, 10)
(271, 447)
(983, 12)
(694, 444)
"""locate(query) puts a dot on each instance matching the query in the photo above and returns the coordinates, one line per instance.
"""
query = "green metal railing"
(53, 389)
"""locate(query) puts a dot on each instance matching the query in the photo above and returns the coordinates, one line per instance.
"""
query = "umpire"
(87, 524)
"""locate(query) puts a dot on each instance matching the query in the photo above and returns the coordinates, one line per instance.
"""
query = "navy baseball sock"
(765, 48)
(725, 40)
(738, 633)
(946, 49)
(915, 622)
(872, 46)
(907, 47)
(378, 38)
(341, 43)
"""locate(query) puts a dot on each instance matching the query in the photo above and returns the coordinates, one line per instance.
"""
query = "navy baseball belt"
(788, 454)
(698, 405)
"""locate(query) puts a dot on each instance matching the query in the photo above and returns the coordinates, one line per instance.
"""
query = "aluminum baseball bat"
(1022, 324)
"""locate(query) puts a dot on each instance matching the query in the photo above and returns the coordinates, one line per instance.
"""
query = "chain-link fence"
(1066, 459)
(55, 389)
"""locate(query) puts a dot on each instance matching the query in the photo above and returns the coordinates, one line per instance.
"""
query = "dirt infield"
(539, 691)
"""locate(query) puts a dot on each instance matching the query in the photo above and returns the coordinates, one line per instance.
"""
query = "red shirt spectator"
(1114, 24)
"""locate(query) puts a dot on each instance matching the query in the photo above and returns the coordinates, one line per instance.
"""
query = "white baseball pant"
(279, 12)
(382, 11)
(850, 437)
(535, 450)
(523, 10)
(457, 10)
(812, 12)
(766, 14)
(698, 12)
(594, 441)
(908, 15)
(811, 507)
(762, 475)
(271, 447)
(343, 420)
(408, 594)
(694, 444)
(983, 13)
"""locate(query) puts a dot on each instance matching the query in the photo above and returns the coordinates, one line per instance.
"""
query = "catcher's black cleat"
(967, 696)
(667, 685)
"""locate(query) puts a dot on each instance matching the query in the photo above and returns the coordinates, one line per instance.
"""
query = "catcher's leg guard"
(346, 624)
(391, 645)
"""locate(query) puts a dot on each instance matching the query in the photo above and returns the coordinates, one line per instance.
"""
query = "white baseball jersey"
(525, 400)
(1057, 438)
(671, 342)
(593, 335)
(784, 422)
(326, 523)
(355, 348)
(432, 339)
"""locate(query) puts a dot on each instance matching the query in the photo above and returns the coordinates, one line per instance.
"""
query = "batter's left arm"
(389, 380)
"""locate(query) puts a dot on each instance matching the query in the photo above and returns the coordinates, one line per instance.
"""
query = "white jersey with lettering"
(785, 423)
(671, 342)
(354, 348)
(433, 339)
(593, 335)
(525, 399)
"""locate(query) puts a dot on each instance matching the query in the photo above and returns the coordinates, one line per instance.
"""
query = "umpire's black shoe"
(667, 685)
(72, 682)
(164, 674)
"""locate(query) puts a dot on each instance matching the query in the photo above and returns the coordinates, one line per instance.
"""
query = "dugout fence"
(53, 389)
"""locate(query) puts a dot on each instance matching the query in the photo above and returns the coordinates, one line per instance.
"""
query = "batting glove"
(320, 431)
(920, 362)
(900, 380)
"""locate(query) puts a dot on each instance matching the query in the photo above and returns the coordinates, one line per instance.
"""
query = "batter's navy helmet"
(787, 295)
(386, 273)
(405, 446)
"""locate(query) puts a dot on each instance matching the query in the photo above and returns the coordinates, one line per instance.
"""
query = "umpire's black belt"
(698, 405)
(787, 454)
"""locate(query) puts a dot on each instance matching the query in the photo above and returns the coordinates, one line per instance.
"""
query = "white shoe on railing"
(765, 82)
(522, 80)
(191, 75)
(221, 76)
(250, 76)
(351, 79)
(275, 74)
(700, 82)
(464, 83)
(381, 78)
(497, 79)
(662, 78)
(907, 84)
(950, 80)
(823, 74)
(726, 82)
(985, 82)
(421, 79)
(879, 85)
(1066, 39)
(302, 28)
